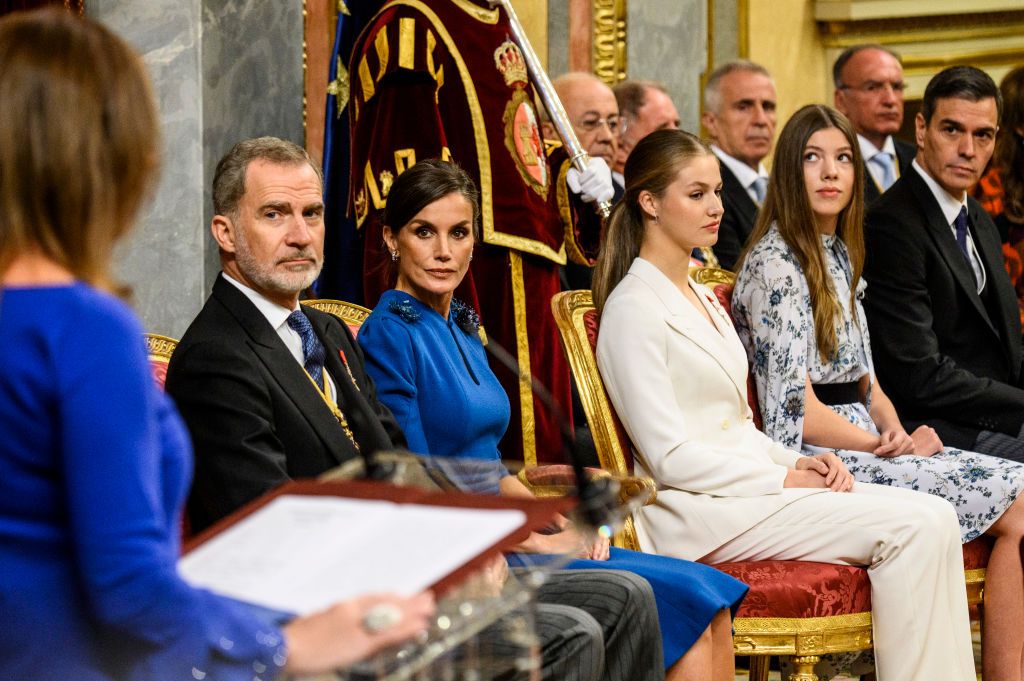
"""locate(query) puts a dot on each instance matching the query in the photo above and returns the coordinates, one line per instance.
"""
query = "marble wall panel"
(222, 70)
(666, 42)
(162, 259)
(558, 38)
(252, 83)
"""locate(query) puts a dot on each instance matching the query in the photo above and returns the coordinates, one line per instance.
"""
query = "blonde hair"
(652, 166)
(788, 207)
(78, 139)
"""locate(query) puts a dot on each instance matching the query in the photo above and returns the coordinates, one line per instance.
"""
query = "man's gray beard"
(269, 280)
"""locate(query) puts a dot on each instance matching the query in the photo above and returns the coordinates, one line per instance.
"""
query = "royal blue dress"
(434, 376)
(94, 468)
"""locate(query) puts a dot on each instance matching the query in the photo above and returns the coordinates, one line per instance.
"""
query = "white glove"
(594, 183)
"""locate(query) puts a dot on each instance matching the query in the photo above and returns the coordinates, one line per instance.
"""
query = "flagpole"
(577, 154)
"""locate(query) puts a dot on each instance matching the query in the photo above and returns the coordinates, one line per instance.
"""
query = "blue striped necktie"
(312, 349)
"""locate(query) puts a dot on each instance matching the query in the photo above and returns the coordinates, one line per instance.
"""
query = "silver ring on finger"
(381, 617)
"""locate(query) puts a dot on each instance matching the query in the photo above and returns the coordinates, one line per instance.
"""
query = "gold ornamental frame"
(608, 46)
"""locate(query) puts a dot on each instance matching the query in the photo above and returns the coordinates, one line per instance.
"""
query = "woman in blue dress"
(425, 355)
(94, 460)
(798, 312)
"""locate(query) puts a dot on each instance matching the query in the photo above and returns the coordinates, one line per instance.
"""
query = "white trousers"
(910, 543)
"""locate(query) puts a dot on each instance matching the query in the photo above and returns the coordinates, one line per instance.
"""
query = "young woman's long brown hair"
(653, 165)
(1009, 153)
(78, 140)
(788, 207)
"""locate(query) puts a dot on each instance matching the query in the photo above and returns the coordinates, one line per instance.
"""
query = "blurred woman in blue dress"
(424, 352)
(94, 460)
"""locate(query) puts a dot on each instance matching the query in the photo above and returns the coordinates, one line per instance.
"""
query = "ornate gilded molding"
(305, 69)
(609, 43)
(979, 58)
(743, 28)
(352, 314)
(159, 347)
(967, 26)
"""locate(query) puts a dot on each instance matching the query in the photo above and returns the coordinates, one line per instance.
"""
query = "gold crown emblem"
(510, 62)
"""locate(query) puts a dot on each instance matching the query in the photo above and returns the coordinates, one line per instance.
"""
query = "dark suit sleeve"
(229, 412)
(908, 358)
(731, 240)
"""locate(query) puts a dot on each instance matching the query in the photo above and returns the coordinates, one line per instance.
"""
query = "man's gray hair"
(229, 179)
(631, 95)
(712, 94)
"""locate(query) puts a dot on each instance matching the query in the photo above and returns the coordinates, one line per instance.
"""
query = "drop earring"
(394, 256)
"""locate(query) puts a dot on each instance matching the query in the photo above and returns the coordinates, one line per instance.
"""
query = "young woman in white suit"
(677, 374)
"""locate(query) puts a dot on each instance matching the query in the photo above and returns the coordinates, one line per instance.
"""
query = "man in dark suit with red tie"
(869, 90)
(946, 334)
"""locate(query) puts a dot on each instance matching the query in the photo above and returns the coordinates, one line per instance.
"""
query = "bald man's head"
(592, 111)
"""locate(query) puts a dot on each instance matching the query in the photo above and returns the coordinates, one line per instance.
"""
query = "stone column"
(666, 42)
(222, 70)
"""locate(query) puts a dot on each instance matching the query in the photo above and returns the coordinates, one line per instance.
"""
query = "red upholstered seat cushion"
(977, 552)
(591, 324)
(724, 294)
(789, 588)
(159, 369)
(556, 475)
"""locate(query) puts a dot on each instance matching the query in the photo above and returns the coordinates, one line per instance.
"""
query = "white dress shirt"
(950, 207)
(277, 317)
(744, 173)
(869, 151)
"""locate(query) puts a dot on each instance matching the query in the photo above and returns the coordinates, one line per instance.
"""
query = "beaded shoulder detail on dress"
(405, 310)
(465, 317)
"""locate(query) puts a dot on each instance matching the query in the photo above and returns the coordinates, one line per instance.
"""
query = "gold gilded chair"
(976, 552)
(159, 349)
(798, 609)
(353, 315)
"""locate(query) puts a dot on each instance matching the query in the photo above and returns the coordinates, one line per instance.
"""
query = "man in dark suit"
(946, 334)
(869, 90)
(644, 106)
(258, 416)
(271, 390)
(739, 114)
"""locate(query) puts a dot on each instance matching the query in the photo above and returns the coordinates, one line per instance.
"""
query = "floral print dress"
(772, 310)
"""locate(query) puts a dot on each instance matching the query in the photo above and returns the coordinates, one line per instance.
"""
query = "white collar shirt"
(744, 173)
(277, 317)
(869, 151)
(950, 207)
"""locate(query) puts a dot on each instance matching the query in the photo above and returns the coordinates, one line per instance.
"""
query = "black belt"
(834, 394)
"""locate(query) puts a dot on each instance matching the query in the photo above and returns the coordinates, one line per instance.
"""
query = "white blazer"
(679, 385)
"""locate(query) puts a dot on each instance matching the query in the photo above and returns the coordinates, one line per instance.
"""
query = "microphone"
(598, 499)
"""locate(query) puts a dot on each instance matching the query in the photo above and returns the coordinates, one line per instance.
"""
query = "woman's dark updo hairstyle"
(424, 183)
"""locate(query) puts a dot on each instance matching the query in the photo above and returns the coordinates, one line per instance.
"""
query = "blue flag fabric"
(341, 278)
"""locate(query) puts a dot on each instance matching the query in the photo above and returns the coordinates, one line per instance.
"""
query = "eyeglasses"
(875, 87)
(591, 124)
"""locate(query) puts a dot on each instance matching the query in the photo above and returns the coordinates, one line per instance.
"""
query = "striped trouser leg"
(623, 606)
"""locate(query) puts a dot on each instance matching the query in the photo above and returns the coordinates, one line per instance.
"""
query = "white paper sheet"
(301, 554)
